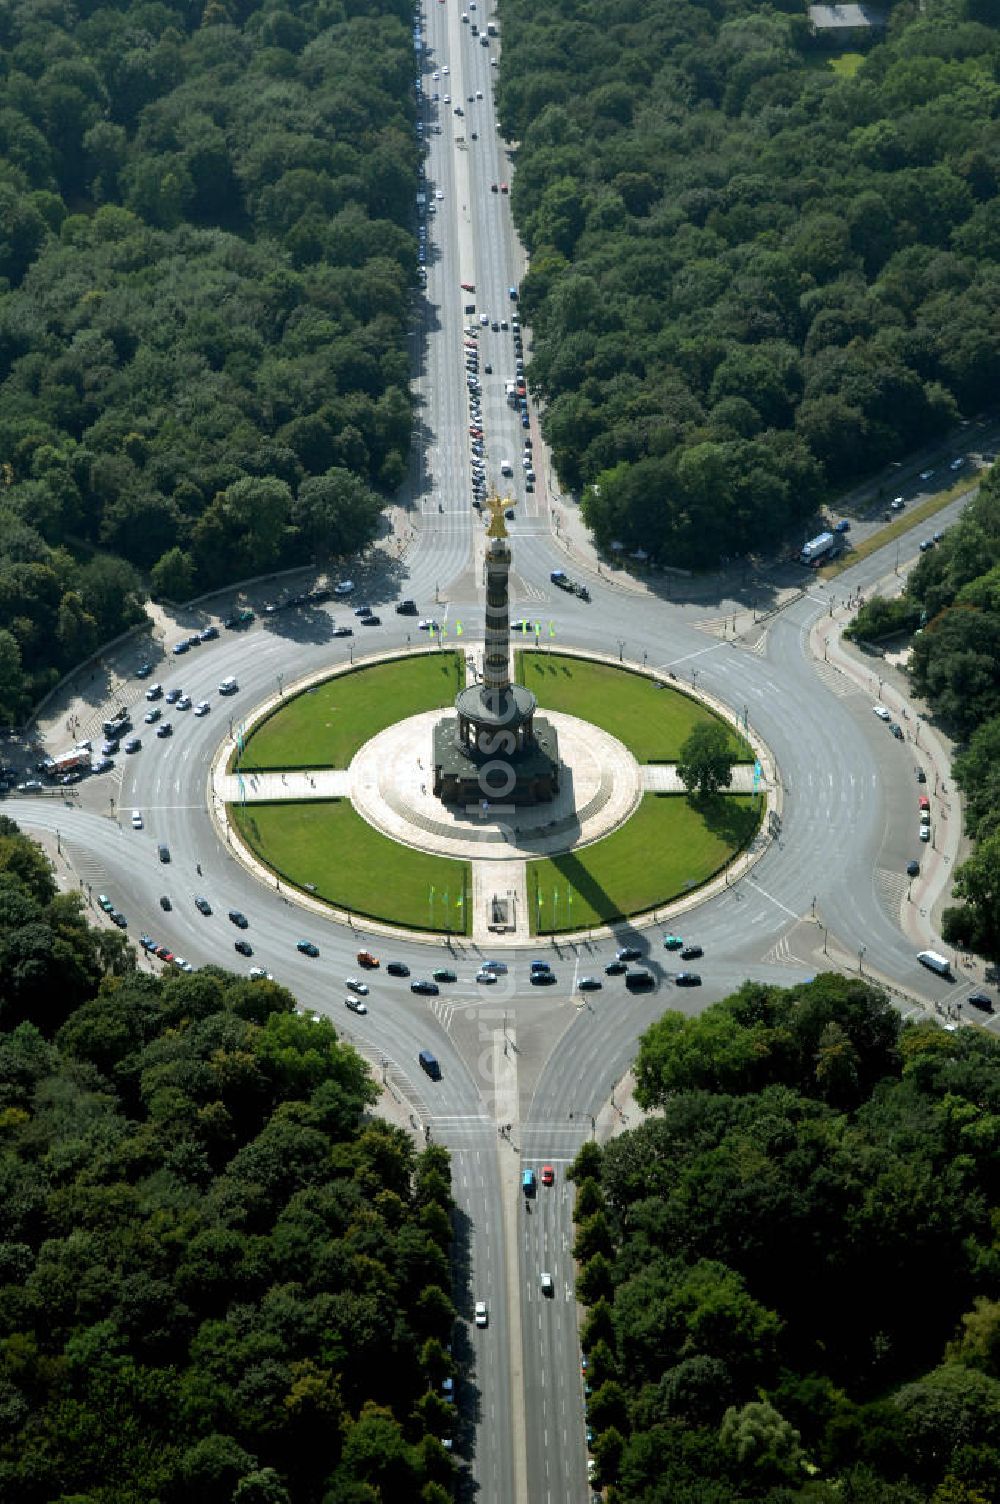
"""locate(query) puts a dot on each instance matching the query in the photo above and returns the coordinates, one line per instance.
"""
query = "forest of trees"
(206, 256)
(951, 605)
(755, 275)
(791, 1268)
(219, 1280)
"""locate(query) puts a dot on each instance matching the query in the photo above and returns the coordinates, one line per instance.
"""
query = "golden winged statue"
(498, 505)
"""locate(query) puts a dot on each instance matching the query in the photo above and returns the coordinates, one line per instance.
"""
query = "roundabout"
(619, 838)
(551, 1061)
(461, 824)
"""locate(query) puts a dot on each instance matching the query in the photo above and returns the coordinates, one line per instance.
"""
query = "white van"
(506, 468)
(228, 687)
(935, 962)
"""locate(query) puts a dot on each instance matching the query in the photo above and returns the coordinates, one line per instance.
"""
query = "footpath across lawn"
(653, 722)
(671, 844)
(324, 726)
(327, 849)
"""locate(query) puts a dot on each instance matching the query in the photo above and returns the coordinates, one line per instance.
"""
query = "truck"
(934, 961)
(68, 762)
(821, 547)
(510, 388)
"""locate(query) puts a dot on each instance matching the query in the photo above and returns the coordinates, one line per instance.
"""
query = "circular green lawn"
(651, 719)
(323, 726)
(670, 845)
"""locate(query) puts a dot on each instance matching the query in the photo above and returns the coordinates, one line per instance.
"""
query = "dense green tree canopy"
(768, 1325)
(753, 273)
(206, 258)
(219, 1277)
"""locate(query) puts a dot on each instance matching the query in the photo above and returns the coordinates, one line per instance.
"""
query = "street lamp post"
(861, 956)
(281, 678)
(621, 649)
(694, 678)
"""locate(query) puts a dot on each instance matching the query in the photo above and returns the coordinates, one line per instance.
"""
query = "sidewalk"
(884, 680)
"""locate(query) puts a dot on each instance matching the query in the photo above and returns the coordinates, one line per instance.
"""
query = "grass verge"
(895, 529)
(325, 725)
(652, 722)
(671, 844)
(327, 849)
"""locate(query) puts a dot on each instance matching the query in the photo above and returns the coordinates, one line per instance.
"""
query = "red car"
(548, 1175)
(504, 188)
(468, 287)
(924, 802)
(365, 958)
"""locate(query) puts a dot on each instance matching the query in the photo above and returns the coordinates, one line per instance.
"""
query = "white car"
(444, 70)
(484, 319)
(258, 974)
(898, 503)
(438, 192)
(881, 712)
(546, 1282)
(344, 588)
(925, 832)
(926, 474)
(183, 965)
(136, 820)
(482, 1315)
(957, 464)
(355, 1004)
(356, 985)
(202, 707)
(486, 976)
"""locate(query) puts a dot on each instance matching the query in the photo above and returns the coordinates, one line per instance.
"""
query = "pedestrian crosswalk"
(891, 888)
(837, 683)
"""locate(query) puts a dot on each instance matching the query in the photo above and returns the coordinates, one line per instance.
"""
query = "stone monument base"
(466, 776)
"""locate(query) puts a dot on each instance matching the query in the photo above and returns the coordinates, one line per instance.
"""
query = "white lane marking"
(770, 896)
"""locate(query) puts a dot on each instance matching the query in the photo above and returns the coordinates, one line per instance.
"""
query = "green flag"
(458, 629)
(432, 892)
(552, 629)
(460, 901)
